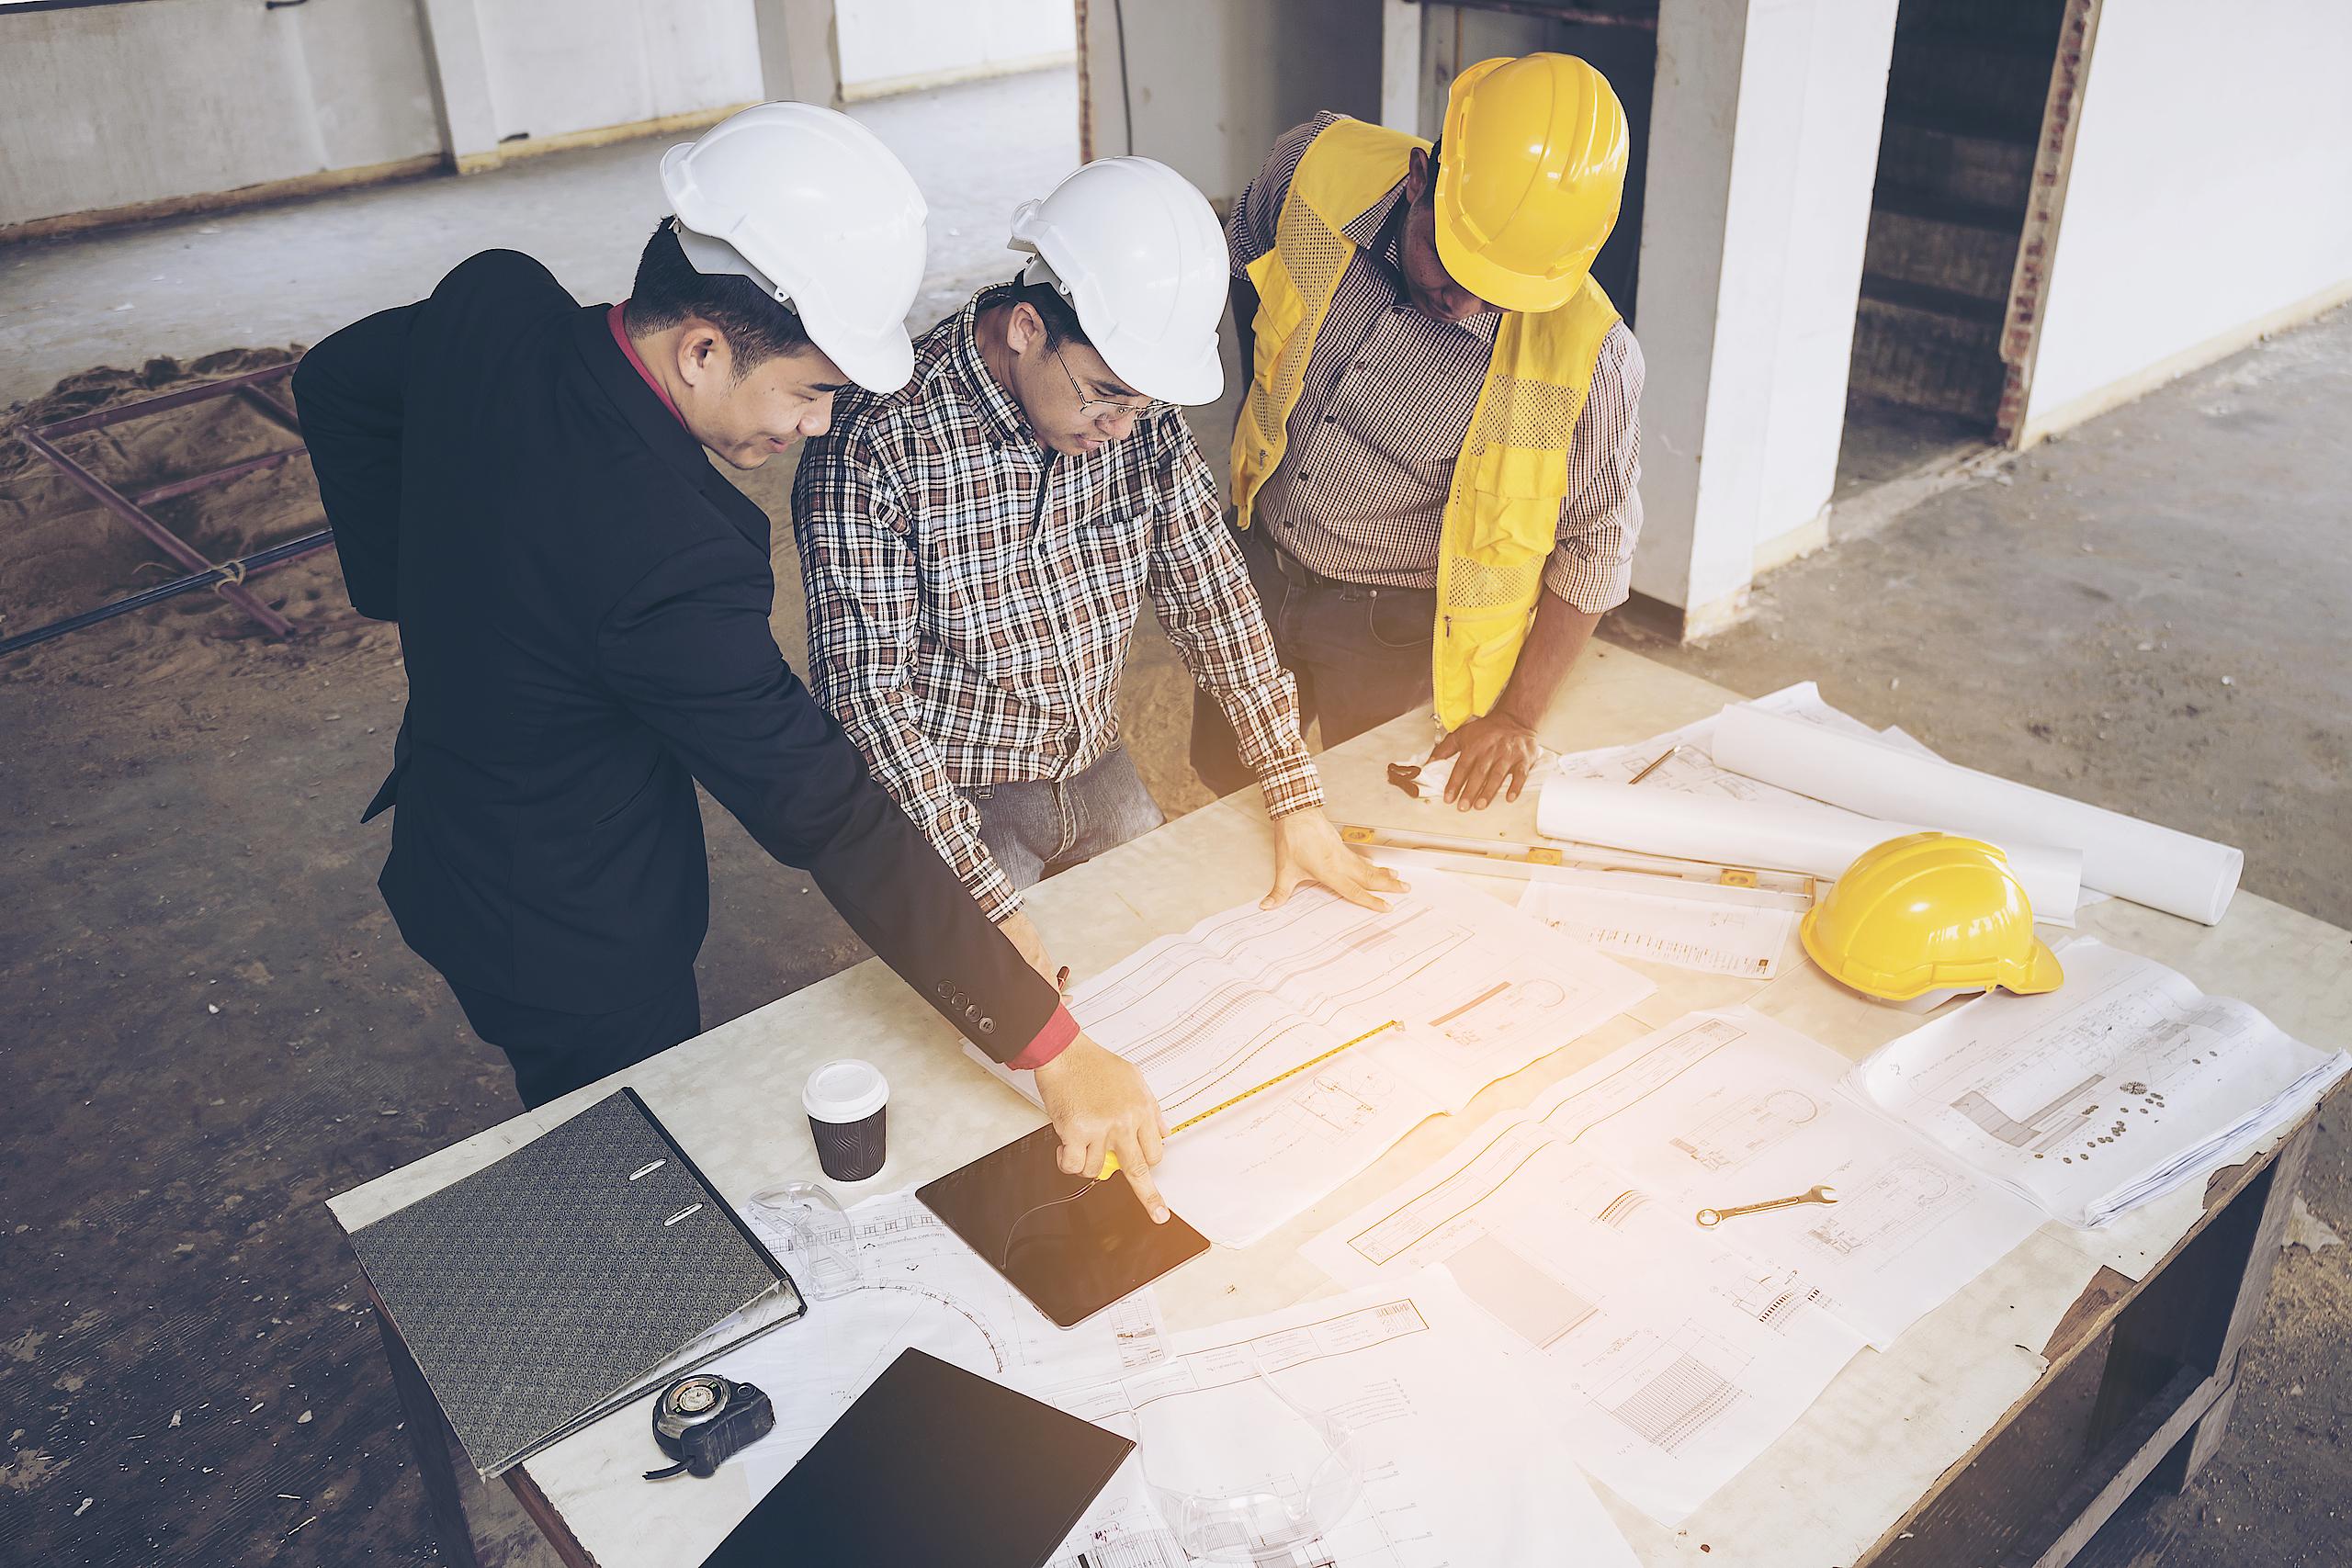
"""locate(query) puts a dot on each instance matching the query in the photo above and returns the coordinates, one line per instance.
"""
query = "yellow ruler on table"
(1110, 1161)
(1571, 863)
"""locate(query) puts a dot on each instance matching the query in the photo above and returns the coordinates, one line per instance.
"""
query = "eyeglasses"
(1100, 410)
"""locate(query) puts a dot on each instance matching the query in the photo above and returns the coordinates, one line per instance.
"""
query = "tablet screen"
(1071, 1244)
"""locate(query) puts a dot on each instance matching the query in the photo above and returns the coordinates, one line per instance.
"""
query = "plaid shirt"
(971, 595)
(1360, 494)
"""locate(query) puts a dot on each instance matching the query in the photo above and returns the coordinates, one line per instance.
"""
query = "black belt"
(1298, 572)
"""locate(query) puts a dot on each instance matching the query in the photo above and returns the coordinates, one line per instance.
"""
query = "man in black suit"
(522, 483)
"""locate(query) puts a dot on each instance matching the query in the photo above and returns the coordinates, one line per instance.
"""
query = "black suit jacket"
(584, 607)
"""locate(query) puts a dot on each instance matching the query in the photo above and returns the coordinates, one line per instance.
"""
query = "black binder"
(586, 1269)
(933, 1466)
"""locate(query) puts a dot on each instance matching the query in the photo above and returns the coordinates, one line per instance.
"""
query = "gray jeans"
(1035, 827)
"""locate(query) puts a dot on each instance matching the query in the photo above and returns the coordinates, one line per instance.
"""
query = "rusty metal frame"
(228, 579)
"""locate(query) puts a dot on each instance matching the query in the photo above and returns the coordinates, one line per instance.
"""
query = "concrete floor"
(191, 944)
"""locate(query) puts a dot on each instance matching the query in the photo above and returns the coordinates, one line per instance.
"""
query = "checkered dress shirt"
(971, 595)
(1360, 494)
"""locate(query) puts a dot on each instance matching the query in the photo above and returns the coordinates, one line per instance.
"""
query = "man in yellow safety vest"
(1434, 468)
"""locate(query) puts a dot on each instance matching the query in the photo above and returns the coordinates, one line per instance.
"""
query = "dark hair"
(668, 290)
(1060, 318)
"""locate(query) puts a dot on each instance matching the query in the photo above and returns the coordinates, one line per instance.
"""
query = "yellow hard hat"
(1529, 174)
(1926, 912)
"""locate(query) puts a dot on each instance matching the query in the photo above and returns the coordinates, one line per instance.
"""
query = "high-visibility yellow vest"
(1502, 513)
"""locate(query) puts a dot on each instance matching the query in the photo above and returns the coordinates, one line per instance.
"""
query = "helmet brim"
(1192, 381)
(878, 361)
(1495, 283)
(2042, 972)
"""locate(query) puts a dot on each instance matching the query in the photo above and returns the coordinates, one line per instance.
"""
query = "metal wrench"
(1710, 1218)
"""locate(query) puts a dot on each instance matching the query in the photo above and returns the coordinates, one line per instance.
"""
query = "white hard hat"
(1142, 259)
(810, 206)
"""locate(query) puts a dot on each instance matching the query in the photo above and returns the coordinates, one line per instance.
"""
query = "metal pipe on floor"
(100, 418)
(225, 574)
(123, 507)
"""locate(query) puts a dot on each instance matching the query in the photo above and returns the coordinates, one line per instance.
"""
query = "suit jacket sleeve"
(688, 650)
(348, 391)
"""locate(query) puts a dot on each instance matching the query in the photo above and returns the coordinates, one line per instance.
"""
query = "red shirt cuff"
(1052, 1040)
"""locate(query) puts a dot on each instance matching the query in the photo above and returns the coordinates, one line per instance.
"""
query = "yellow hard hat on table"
(1927, 913)
(1530, 171)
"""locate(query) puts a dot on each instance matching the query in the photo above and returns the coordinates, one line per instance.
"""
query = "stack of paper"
(2105, 1094)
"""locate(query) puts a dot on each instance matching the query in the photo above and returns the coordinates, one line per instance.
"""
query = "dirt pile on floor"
(62, 553)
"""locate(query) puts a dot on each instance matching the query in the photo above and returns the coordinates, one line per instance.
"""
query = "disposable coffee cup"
(849, 1105)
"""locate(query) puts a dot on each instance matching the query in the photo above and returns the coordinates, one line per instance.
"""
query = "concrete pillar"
(460, 85)
(1400, 66)
(800, 51)
(1763, 150)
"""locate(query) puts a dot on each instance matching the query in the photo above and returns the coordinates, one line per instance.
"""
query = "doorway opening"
(1966, 94)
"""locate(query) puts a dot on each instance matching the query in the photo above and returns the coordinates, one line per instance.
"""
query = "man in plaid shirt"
(978, 546)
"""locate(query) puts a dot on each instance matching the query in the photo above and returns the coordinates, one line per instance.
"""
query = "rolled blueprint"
(2166, 870)
(1772, 837)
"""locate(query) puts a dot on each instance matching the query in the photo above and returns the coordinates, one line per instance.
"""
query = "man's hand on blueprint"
(1488, 753)
(1100, 1105)
(1308, 849)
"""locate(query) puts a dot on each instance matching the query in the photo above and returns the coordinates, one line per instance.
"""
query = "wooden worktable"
(2142, 1323)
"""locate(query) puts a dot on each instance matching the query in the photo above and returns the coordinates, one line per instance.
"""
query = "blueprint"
(2104, 1094)
(1665, 1361)
(1691, 925)
(1671, 1355)
(1458, 1471)
(1477, 991)
(922, 1288)
(1691, 769)
(1722, 1108)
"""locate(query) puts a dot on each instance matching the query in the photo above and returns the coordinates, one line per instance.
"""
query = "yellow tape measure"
(1528, 854)
(1110, 1161)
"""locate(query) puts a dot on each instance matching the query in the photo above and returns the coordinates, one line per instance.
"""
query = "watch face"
(1071, 1244)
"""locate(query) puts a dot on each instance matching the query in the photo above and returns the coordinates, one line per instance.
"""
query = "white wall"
(1213, 82)
(557, 67)
(107, 106)
(891, 44)
(2211, 188)
(1763, 151)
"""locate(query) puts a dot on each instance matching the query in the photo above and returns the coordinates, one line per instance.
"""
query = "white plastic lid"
(845, 1091)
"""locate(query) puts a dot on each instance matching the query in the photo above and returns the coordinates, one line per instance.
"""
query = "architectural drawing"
(1747, 1127)
(1666, 1361)
(1666, 1394)
(2102, 1095)
(1728, 1108)
(1669, 1354)
(1693, 925)
(1476, 990)
(1455, 1469)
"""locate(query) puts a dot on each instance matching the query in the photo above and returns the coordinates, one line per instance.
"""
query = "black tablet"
(1071, 1244)
(933, 1466)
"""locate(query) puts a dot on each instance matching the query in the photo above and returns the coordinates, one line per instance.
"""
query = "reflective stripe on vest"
(1502, 513)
